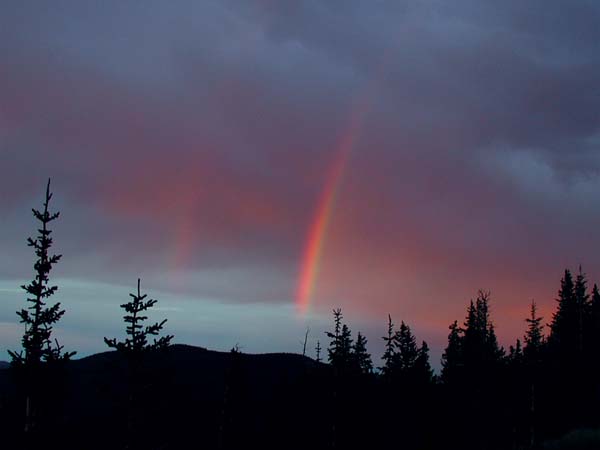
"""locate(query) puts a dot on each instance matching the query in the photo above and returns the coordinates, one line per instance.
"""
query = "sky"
(258, 163)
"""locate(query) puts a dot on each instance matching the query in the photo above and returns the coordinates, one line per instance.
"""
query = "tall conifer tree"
(134, 349)
(582, 305)
(360, 355)
(334, 349)
(406, 348)
(594, 326)
(534, 337)
(563, 339)
(136, 343)
(39, 317)
(389, 355)
(422, 368)
(452, 358)
(318, 352)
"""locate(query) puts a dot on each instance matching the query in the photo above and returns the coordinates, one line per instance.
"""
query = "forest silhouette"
(541, 392)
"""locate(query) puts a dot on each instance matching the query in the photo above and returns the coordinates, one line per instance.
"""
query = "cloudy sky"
(242, 157)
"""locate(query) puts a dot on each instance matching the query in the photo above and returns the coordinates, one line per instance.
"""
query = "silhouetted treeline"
(154, 395)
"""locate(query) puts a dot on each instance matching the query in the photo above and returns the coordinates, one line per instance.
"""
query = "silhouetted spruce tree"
(422, 368)
(318, 351)
(569, 374)
(481, 376)
(340, 358)
(563, 339)
(136, 343)
(594, 327)
(416, 398)
(595, 306)
(480, 347)
(534, 337)
(39, 318)
(134, 349)
(388, 415)
(360, 355)
(585, 365)
(406, 349)
(453, 382)
(345, 349)
(411, 362)
(340, 347)
(389, 355)
(533, 353)
(582, 305)
(452, 358)
(335, 343)
(592, 345)
(474, 337)
(411, 374)
(496, 350)
(515, 354)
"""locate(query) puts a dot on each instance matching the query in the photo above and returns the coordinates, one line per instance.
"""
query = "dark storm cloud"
(196, 137)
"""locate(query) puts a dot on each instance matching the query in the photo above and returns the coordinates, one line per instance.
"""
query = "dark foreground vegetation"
(543, 392)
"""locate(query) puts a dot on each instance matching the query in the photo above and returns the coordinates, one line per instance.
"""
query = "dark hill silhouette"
(4, 365)
(192, 388)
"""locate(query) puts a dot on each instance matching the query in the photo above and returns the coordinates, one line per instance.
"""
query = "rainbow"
(316, 236)
(311, 257)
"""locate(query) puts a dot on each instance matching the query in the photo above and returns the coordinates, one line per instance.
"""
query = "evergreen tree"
(136, 342)
(415, 398)
(515, 354)
(452, 358)
(595, 306)
(360, 355)
(594, 326)
(580, 289)
(345, 348)
(533, 353)
(422, 368)
(411, 361)
(534, 337)
(406, 349)
(340, 353)
(134, 349)
(568, 364)
(563, 339)
(389, 355)
(481, 349)
(582, 306)
(472, 351)
(318, 351)
(340, 347)
(592, 343)
(39, 318)
(481, 376)
(473, 336)
(333, 352)
(496, 352)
